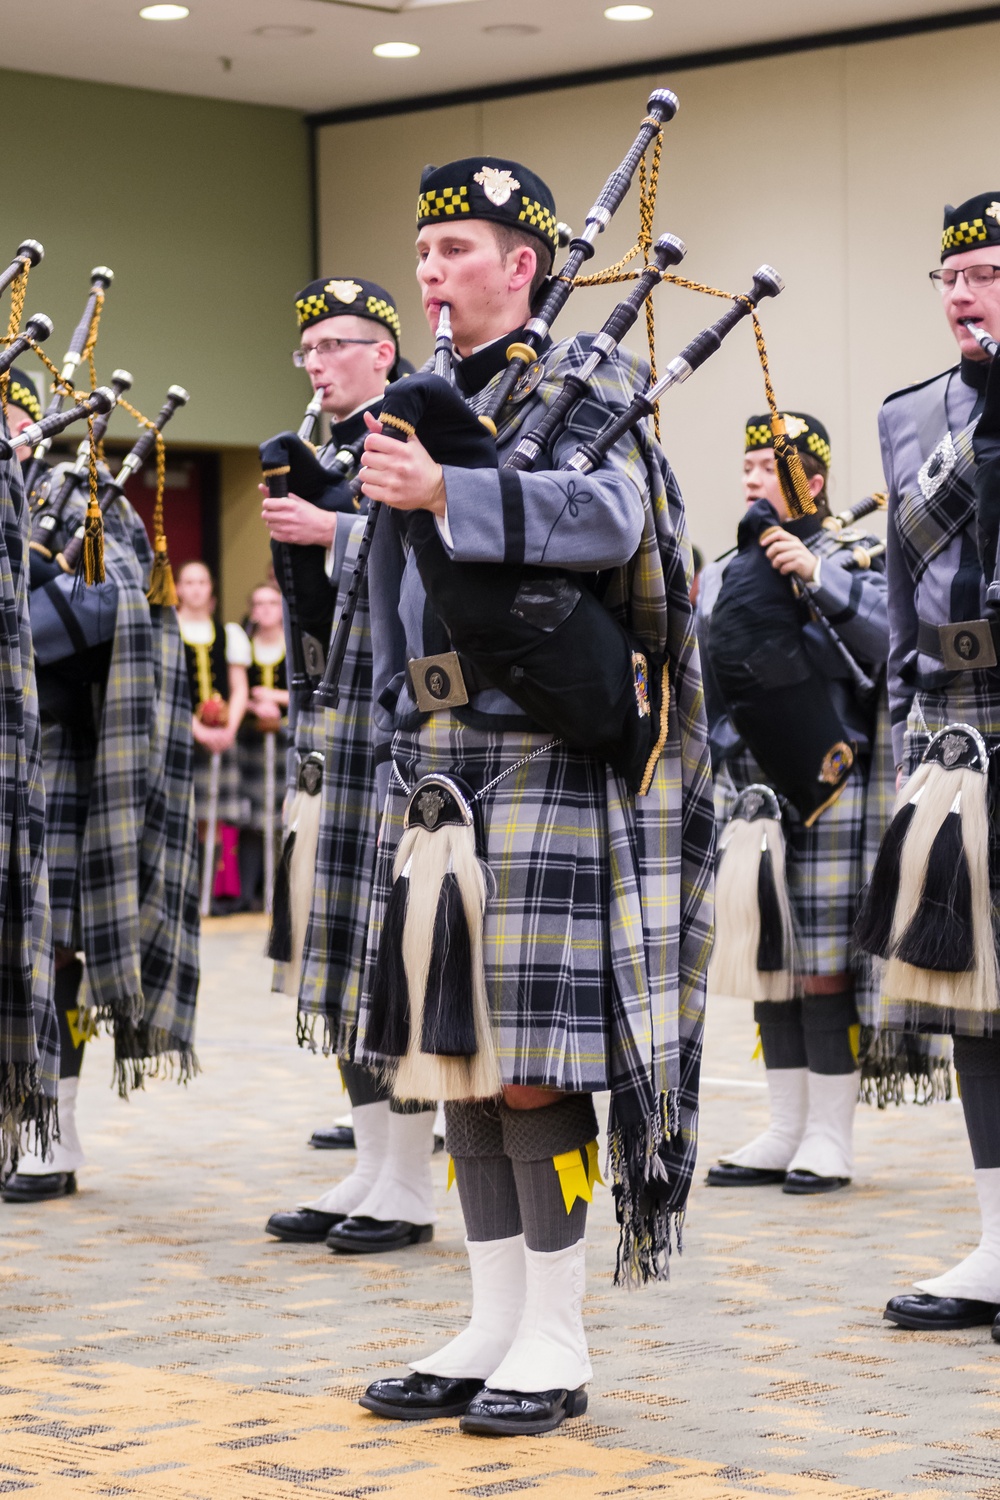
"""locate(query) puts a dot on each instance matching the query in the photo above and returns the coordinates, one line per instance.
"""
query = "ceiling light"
(396, 49)
(164, 12)
(628, 13)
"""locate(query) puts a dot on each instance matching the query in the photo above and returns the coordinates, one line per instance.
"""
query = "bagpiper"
(794, 635)
(349, 336)
(562, 924)
(932, 905)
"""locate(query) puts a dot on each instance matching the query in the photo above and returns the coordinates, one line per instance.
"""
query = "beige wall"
(832, 165)
(244, 550)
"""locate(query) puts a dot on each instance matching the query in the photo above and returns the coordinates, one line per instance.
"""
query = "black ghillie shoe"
(521, 1413)
(936, 1314)
(419, 1398)
(730, 1174)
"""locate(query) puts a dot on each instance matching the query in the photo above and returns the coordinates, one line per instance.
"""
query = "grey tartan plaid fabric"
(940, 506)
(230, 798)
(250, 756)
(120, 829)
(648, 909)
(29, 1038)
(333, 954)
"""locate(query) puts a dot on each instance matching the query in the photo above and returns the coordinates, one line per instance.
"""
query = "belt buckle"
(967, 646)
(438, 682)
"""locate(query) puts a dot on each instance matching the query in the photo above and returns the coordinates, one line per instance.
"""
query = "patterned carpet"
(153, 1341)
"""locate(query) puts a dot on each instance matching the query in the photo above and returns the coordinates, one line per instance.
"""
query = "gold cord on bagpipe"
(18, 290)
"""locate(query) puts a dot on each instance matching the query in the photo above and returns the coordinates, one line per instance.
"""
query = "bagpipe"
(290, 467)
(779, 705)
(48, 505)
(785, 714)
(928, 909)
(554, 649)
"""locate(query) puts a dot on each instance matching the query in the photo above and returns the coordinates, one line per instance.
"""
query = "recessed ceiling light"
(164, 12)
(396, 49)
(628, 13)
(273, 33)
(512, 28)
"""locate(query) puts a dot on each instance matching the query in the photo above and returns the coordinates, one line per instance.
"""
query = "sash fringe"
(650, 1229)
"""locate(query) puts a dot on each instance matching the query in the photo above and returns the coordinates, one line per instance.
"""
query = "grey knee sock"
(781, 1038)
(483, 1172)
(532, 1137)
(826, 1025)
(977, 1063)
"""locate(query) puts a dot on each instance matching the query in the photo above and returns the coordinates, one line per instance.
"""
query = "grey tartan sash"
(942, 504)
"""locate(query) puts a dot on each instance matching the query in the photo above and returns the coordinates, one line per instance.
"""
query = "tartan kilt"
(543, 834)
(229, 785)
(824, 863)
(250, 759)
(972, 698)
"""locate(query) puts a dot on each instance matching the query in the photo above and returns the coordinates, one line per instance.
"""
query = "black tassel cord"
(873, 929)
(279, 938)
(449, 1028)
(772, 948)
(388, 1031)
(940, 935)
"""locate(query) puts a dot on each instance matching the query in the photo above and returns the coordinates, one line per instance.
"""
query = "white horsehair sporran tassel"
(429, 1006)
(754, 954)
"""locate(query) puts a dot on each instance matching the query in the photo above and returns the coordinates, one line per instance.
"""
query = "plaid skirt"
(825, 866)
(543, 833)
(229, 785)
(971, 698)
(250, 759)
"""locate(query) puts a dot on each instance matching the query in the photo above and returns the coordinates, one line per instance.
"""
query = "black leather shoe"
(728, 1174)
(418, 1398)
(302, 1225)
(370, 1236)
(521, 1413)
(921, 1310)
(809, 1182)
(20, 1188)
(995, 1334)
(333, 1138)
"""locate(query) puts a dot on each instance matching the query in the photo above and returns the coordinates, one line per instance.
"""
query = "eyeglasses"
(976, 277)
(325, 349)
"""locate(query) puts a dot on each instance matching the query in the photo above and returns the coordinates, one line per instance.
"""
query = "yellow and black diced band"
(24, 397)
(539, 217)
(969, 232)
(385, 312)
(759, 435)
(440, 203)
(819, 448)
(313, 306)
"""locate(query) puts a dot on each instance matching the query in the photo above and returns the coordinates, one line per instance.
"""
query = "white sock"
(978, 1275)
(404, 1188)
(65, 1154)
(498, 1286)
(827, 1146)
(371, 1139)
(788, 1090)
(549, 1351)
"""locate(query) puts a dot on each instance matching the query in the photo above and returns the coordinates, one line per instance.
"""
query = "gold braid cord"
(18, 288)
(791, 475)
(161, 579)
(93, 536)
(616, 273)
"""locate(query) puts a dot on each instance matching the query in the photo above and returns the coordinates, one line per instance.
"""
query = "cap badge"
(993, 211)
(344, 291)
(794, 426)
(497, 184)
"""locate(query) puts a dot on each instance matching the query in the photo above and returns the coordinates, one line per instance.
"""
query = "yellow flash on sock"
(577, 1174)
(854, 1037)
(451, 1174)
(80, 1033)
(758, 1051)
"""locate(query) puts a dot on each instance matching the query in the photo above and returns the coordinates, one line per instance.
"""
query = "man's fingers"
(372, 423)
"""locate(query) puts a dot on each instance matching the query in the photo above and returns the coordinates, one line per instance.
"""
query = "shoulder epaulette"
(920, 385)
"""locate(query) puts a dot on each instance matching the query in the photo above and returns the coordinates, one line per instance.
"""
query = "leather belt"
(445, 680)
(962, 646)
